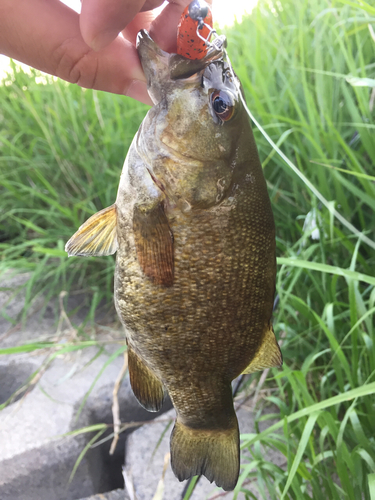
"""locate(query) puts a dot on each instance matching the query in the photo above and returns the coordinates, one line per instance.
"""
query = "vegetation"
(308, 72)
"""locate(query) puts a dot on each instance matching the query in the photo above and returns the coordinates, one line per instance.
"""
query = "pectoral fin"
(268, 354)
(97, 236)
(154, 244)
(146, 386)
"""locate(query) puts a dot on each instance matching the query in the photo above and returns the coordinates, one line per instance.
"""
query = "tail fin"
(212, 453)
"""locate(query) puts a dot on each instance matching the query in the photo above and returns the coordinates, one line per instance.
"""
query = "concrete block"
(35, 460)
(112, 495)
(36, 463)
(12, 296)
(12, 376)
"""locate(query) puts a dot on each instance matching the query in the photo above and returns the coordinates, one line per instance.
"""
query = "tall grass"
(62, 150)
(308, 70)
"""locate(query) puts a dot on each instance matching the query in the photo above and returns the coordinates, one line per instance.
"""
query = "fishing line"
(295, 169)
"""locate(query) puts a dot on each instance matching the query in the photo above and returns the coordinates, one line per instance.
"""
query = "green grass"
(62, 150)
(301, 63)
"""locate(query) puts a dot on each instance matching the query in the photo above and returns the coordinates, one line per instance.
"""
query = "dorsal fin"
(97, 236)
(268, 354)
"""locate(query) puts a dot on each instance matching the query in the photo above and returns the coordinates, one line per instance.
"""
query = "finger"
(141, 20)
(163, 30)
(100, 24)
(45, 34)
(151, 4)
(102, 20)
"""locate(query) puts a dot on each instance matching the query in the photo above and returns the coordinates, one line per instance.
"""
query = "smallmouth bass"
(193, 229)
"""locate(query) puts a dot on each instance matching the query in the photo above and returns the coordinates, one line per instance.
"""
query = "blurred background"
(308, 71)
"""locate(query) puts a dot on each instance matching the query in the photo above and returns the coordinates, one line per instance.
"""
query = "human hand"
(85, 49)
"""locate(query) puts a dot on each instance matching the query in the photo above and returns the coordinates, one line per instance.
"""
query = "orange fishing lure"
(196, 15)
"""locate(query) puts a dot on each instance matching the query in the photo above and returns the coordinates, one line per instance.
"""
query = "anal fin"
(147, 388)
(154, 244)
(268, 354)
(97, 236)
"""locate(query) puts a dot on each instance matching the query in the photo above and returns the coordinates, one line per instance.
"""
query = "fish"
(194, 236)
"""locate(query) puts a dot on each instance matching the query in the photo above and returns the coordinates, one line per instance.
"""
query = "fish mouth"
(154, 63)
(147, 48)
(173, 66)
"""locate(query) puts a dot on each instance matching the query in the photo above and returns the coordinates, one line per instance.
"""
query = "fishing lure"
(194, 30)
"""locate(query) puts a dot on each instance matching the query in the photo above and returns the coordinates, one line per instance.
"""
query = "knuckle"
(76, 63)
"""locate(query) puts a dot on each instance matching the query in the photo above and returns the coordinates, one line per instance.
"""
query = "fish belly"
(210, 322)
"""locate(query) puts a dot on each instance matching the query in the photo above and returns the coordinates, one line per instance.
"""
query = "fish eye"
(222, 104)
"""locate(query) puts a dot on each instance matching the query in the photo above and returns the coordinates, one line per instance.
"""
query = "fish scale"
(216, 270)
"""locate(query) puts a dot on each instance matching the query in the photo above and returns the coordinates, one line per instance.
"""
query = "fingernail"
(138, 90)
(103, 39)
